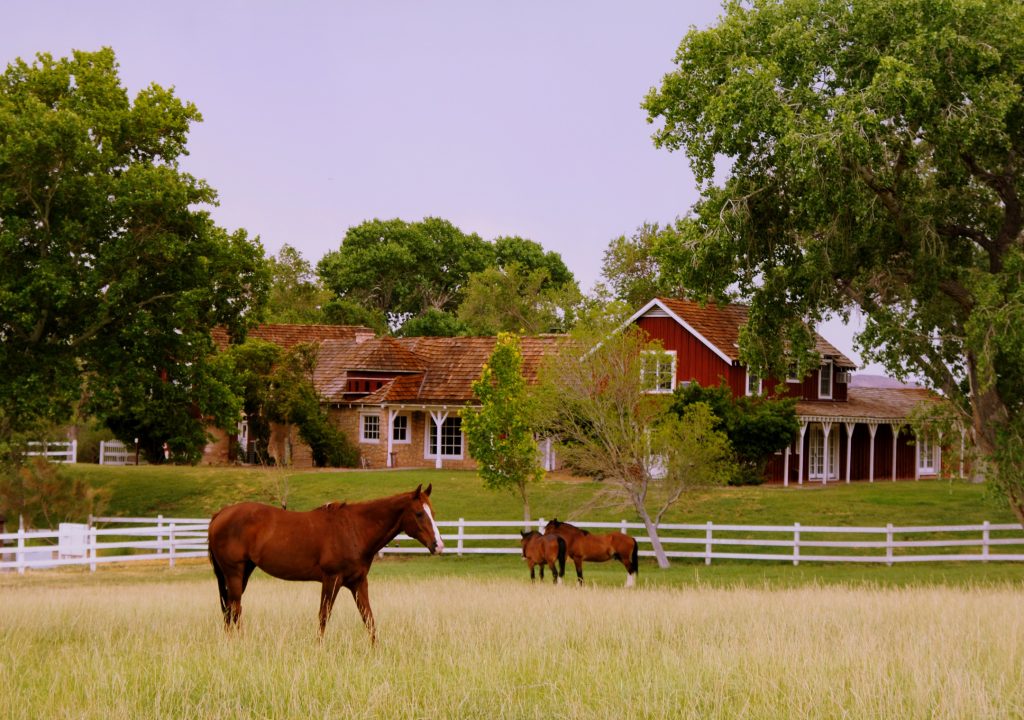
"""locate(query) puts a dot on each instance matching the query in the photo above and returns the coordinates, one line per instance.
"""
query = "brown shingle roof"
(863, 404)
(288, 335)
(720, 325)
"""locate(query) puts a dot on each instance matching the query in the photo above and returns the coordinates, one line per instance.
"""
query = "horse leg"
(234, 586)
(328, 592)
(532, 576)
(578, 562)
(361, 593)
(542, 563)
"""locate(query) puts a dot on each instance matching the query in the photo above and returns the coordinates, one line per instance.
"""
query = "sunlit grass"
(499, 647)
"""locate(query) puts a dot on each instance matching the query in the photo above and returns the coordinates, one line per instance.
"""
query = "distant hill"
(880, 381)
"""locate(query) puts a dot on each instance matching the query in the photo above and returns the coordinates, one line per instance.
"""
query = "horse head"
(418, 520)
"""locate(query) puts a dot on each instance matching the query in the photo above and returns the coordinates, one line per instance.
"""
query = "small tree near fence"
(500, 433)
(604, 405)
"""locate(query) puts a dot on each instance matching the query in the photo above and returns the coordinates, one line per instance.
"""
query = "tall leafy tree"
(296, 294)
(873, 157)
(500, 432)
(517, 299)
(109, 267)
(403, 269)
(631, 265)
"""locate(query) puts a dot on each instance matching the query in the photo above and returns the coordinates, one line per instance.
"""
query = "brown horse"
(582, 545)
(544, 550)
(333, 545)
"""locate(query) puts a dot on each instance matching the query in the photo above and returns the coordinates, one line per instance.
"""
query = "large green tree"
(296, 294)
(873, 156)
(110, 268)
(403, 268)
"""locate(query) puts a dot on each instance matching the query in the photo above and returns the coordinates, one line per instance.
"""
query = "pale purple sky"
(504, 118)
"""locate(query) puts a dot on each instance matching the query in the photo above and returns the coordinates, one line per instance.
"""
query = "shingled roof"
(868, 404)
(288, 335)
(433, 370)
(719, 326)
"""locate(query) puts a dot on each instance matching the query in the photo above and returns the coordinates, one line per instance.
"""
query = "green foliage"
(109, 268)
(42, 492)
(873, 154)
(433, 323)
(500, 432)
(343, 311)
(291, 398)
(402, 269)
(517, 299)
(757, 427)
(632, 265)
(296, 295)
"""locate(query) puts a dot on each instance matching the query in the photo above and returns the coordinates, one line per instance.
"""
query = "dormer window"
(658, 371)
(825, 381)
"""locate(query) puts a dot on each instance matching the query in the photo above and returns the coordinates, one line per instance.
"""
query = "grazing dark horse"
(544, 550)
(582, 545)
(333, 545)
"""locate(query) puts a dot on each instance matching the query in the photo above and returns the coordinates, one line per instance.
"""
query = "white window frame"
(659, 357)
(407, 427)
(363, 423)
(748, 377)
(825, 371)
(816, 454)
(432, 428)
(927, 456)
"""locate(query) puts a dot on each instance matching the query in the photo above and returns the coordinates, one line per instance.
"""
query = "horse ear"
(523, 533)
(416, 492)
(429, 488)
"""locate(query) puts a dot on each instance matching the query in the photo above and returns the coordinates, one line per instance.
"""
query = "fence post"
(19, 554)
(888, 544)
(707, 547)
(796, 543)
(171, 543)
(540, 525)
(103, 450)
(74, 451)
(91, 541)
(160, 534)
(984, 540)
(458, 542)
(625, 530)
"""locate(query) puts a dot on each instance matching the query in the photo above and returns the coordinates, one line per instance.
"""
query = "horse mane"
(558, 522)
(334, 505)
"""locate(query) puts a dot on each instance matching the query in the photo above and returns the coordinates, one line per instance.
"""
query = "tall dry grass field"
(458, 648)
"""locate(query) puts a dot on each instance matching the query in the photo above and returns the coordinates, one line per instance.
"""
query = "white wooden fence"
(112, 540)
(115, 452)
(62, 452)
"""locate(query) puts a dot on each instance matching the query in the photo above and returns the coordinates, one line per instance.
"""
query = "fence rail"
(62, 452)
(112, 540)
(115, 452)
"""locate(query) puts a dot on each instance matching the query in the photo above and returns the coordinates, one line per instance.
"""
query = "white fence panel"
(169, 539)
(62, 452)
(114, 452)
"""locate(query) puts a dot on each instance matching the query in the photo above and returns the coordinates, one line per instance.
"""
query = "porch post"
(800, 453)
(785, 467)
(872, 428)
(827, 427)
(849, 446)
(961, 452)
(895, 437)
(392, 414)
(438, 418)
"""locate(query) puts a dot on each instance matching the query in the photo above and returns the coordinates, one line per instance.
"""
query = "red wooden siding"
(694, 360)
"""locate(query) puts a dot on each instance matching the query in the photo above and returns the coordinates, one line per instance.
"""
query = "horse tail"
(222, 585)
(561, 555)
(634, 560)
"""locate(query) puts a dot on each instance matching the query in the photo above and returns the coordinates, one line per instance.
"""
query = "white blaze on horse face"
(437, 533)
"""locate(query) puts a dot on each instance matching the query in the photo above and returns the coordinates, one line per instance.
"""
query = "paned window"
(400, 429)
(451, 438)
(658, 371)
(825, 381)
(369, 428)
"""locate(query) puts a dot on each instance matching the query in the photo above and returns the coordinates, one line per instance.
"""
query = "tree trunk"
(526, 508)
(652, 533)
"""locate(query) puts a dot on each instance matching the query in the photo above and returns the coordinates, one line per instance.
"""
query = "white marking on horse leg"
(630, 580)
(437, 533)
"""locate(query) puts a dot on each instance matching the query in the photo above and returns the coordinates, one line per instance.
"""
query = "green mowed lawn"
(200, 491)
